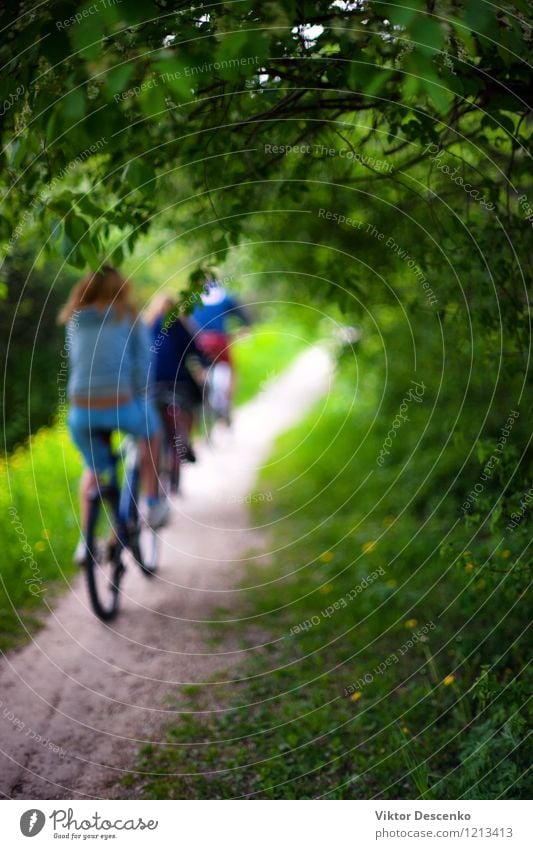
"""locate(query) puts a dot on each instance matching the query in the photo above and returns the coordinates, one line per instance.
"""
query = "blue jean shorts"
(138, 417)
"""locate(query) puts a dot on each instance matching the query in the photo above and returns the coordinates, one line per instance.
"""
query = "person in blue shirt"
(176, 361)
(109, 361)
(212, 318)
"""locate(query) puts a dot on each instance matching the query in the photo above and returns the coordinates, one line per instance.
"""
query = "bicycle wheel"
(220, 391)
(140, 540)
(171, 449)
(169, 467)
(104, 567)
(144, 547)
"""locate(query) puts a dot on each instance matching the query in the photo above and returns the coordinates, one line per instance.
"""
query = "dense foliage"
(31, 343)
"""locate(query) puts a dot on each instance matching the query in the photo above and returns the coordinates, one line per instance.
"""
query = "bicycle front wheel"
(104, 567)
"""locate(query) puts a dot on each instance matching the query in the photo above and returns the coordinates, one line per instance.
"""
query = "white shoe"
(80, 554)
(158, 514)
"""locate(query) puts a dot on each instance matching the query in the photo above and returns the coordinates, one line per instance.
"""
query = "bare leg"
(150, 452)
(186, 421)
(88, 482)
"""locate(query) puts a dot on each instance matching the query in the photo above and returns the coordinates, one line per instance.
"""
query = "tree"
(116, 104)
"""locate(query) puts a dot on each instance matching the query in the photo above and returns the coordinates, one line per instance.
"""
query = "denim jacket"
(108, 356)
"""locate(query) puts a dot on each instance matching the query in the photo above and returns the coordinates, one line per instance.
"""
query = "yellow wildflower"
(368, 547)
(448, 680)
(326, 588)
(356, 696)
(506, 553)
(326, 556)
(469, 567)
(39, 546)
(392, 583)
(411, 623)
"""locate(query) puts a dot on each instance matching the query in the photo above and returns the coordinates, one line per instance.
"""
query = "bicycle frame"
(176, 431)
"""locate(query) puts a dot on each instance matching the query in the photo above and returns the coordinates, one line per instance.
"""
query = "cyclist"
(212, 317)
(109, 359)
(175, 364)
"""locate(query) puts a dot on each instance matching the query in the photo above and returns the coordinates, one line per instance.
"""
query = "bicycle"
(176, 415)
(115, 529)
(219, 380)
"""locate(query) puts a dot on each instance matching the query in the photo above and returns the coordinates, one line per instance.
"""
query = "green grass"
(440, 718)
(265, 352)
(38, 529)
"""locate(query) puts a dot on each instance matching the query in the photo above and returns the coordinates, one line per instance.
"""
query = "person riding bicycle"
(175, 387)
(212, 318)
(109, 361)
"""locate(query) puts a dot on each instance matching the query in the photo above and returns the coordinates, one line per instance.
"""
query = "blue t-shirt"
(108, 356)
(216, 309)
(171, 345)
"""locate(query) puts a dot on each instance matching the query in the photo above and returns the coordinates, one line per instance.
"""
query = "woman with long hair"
(109, 364)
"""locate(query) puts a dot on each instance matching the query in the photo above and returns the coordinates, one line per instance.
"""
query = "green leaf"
(18, 151)
(480, 17)
(137, 11)
(75, 227)
(72, 106)
(498, 121)
(428, 33)
(71, 253)
(464, 35)
(52, 128)
(238, 55)
(118, 78)
(89, 254)
(367, 78)
(152, 101)
(87, 32)
(89, 208)
(117, 256)
(62, 203)
(403, 15)
(174, 74)
(329, 49)
(137, 174)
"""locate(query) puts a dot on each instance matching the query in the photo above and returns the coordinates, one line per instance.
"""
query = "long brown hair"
(100, 289)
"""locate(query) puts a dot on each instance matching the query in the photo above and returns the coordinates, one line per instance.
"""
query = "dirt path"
(98, 691)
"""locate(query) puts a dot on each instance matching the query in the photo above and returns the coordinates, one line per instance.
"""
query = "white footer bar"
(266, 825)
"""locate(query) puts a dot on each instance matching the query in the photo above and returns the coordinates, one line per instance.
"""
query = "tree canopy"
(116, 115)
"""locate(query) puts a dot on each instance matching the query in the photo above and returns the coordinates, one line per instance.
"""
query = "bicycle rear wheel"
(169, 468)
(104, 567)
(220, 391)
